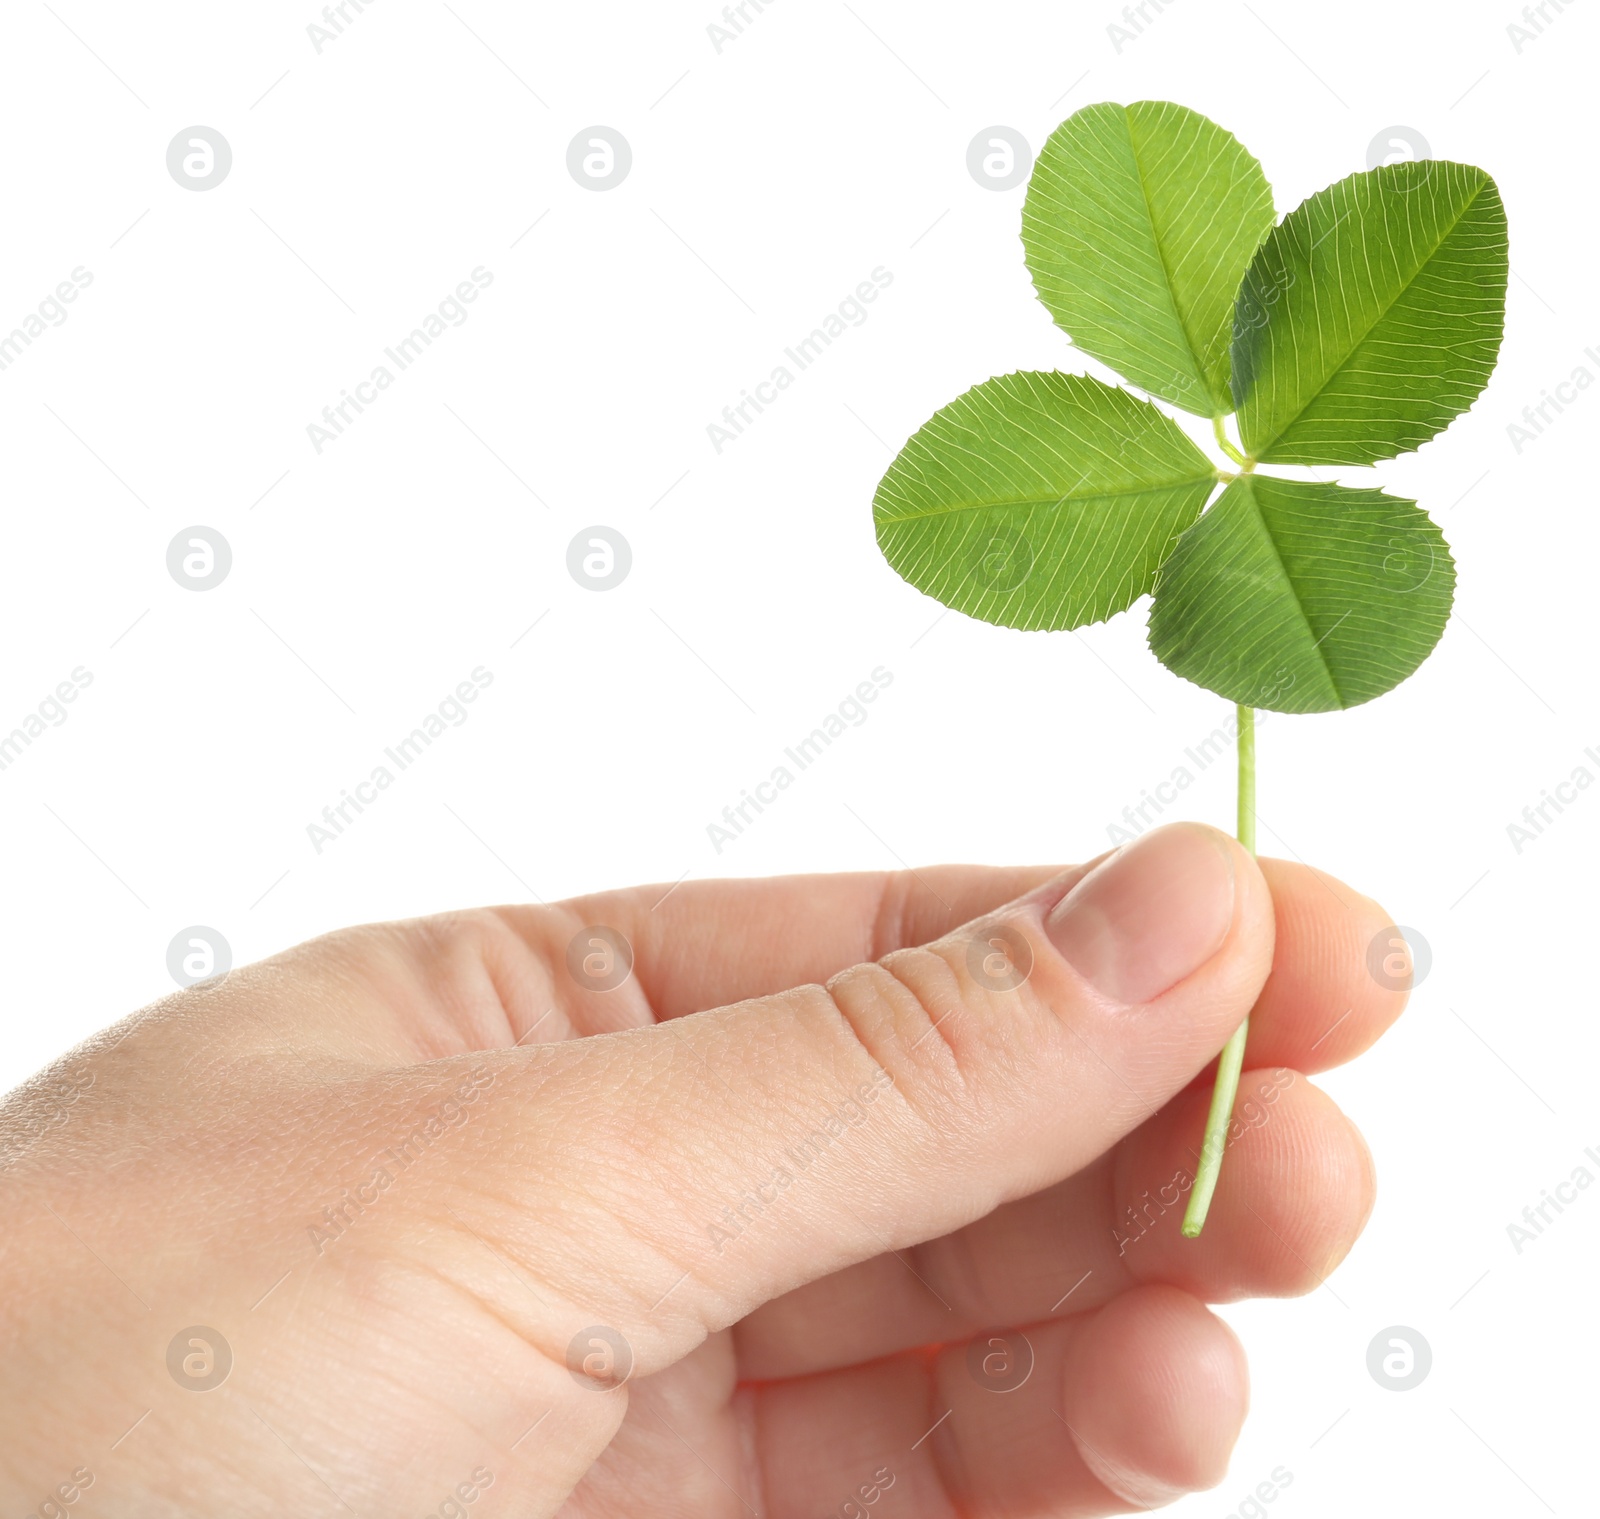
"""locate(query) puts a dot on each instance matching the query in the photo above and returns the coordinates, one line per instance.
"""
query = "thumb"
(723, 1158)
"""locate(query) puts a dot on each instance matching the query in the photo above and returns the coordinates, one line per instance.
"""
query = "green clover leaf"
(1138, 225)
(1302, 597)
(1372, 315)
(1040, 500)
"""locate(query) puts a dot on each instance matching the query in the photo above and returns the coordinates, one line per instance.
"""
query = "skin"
(174, 1172)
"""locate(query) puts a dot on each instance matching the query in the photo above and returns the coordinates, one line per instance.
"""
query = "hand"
(474, 1223)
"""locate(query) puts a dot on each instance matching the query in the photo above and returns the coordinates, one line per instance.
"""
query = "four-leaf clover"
(1354, 330)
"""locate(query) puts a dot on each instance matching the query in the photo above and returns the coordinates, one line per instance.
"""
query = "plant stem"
(1246, 830)
(1232, 1057)
(1224, 444)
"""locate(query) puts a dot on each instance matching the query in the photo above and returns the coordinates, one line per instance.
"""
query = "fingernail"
(1152, 914)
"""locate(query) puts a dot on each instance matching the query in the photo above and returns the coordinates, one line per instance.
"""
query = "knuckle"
(898, 1010)
(477, 966)
(470, 966)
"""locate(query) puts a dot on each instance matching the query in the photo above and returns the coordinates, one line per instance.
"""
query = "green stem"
(1232, 1058)
(1224, 444)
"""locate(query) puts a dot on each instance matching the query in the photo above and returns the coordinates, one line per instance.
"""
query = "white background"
(767, 181)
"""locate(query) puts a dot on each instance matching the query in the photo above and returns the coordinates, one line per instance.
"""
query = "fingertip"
(1341, 972)
(1360, 1183)
(1313, 1184)
(1297, 1189)
(1157, 1392)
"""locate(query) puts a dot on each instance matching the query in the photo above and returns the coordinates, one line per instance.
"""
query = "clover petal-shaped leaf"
(1372, 316)
(1138, 225)
(1298, 596)
(1040, 500)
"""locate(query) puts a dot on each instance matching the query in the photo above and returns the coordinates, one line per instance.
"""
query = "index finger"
(708, 943)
